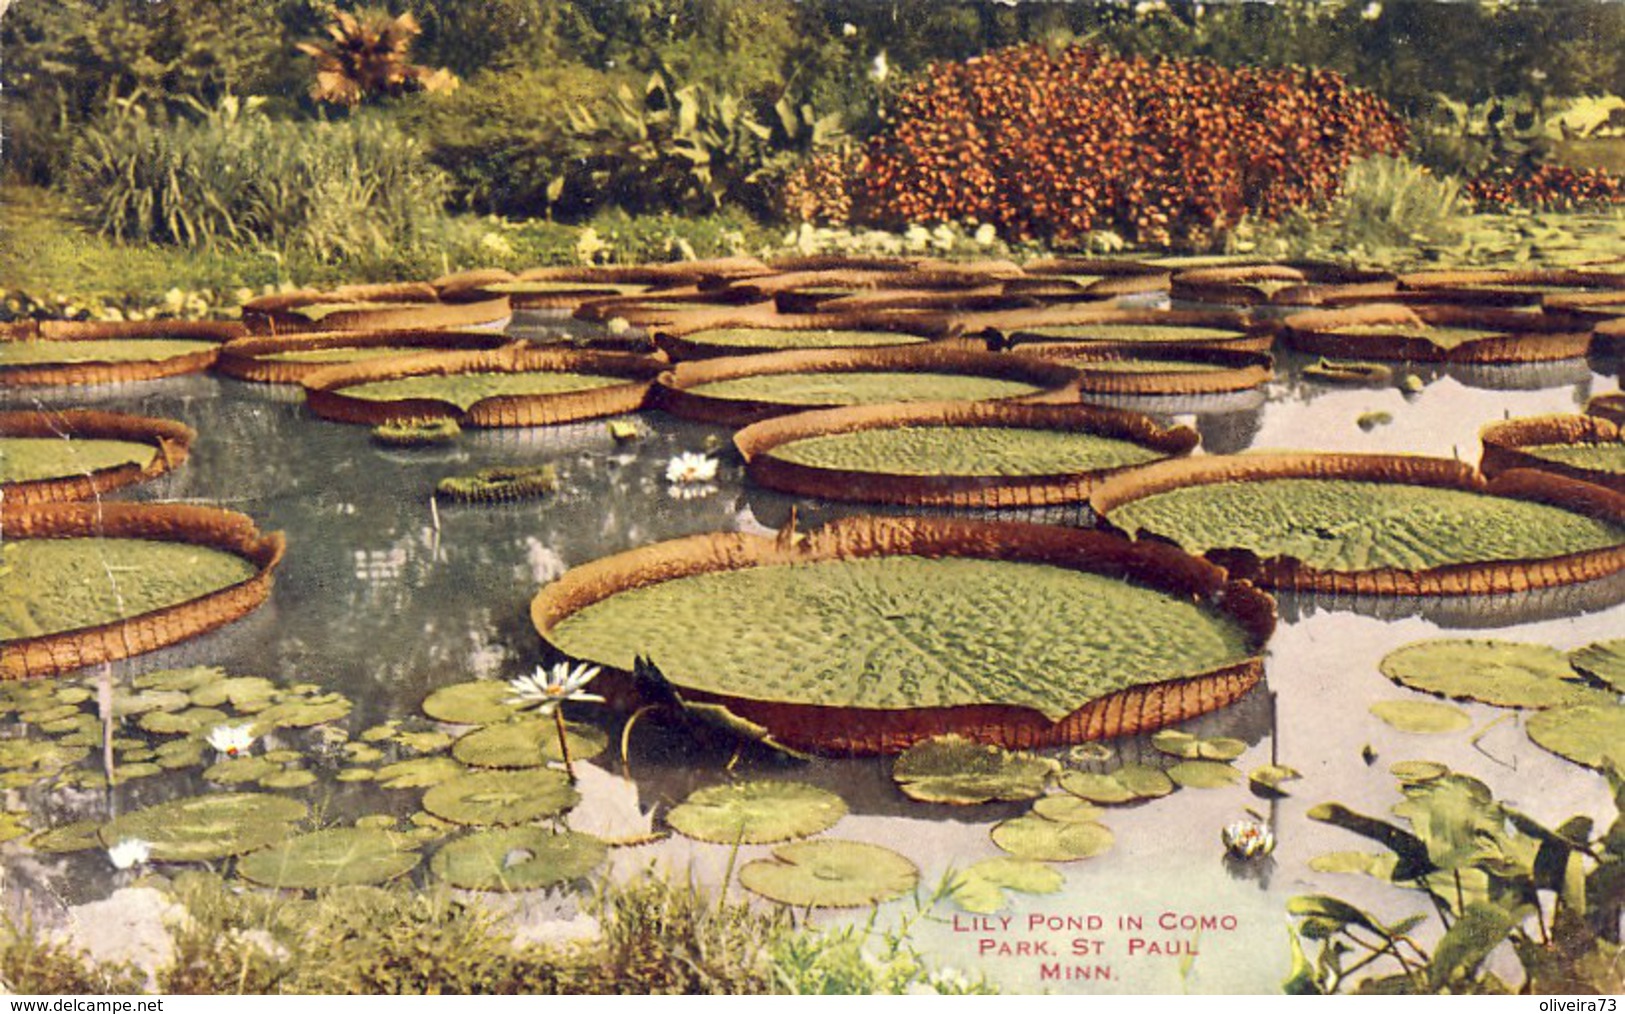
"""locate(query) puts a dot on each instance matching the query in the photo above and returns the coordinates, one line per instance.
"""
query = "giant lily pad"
(981, 886)
(467, 389)
(31, 459)
(517, 859)
(914, 633)
(1503, 673)
(760, 339)
(1588, 734)
(208, 827)
(862, 388)
(1344, 525)
(334, 857)
(1421, 716)
(1603, 661)
(830, 874)
(62, 584)
(527, 743)
(954, 769)
(501, 797)
(963, 450)
(1036, 838)
(755, 813)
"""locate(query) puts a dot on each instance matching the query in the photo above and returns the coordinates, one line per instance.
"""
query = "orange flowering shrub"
(1054, 144)
(1547, 188)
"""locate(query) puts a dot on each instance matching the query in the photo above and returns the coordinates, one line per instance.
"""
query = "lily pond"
(1130, 874)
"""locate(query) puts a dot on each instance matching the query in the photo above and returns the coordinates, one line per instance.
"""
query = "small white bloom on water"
(232, 740)
(129, 852)
(1247, 840)
(551, 687)
(881, 68)
(848, 29)
(689, 468)
(1372, 11)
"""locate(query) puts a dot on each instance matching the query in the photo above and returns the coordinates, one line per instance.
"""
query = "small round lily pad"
(830, 874)
(1067, 809)
(980, 887)
(1603, 661)
(517, 859)
(959, 770)
(1418, 770)
(1588, 734)
(527, 743)
(756, 813)
(1189, 747)
(1508, 674)
(292, 778)
(243, 693)
(501, 797)
(75, 837)
(179, 679)
(1421, 716)
(1052, 841)
(480, 702)
(1096, 788)
(333, 857)
(182, 723)
(240, 770)
(419, 772)
(1267, 780)
(1145, 781)
(1203, 774)
(298, 712)
(208, 827)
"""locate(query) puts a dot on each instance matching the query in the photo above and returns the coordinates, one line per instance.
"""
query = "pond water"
(384, 598)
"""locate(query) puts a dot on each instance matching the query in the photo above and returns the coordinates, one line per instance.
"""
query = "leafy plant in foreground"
(1492, 875)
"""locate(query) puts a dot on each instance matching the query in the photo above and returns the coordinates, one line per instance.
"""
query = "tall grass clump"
(236, 179)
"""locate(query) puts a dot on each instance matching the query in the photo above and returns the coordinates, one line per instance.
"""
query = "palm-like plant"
(367, 57)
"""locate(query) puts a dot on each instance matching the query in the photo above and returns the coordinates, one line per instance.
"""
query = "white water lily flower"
(689, 468)
(1372, 11)
(232, 740)
(129, 852)
(548, 688)
(848, 29)
(880, 69)
(1247, 840)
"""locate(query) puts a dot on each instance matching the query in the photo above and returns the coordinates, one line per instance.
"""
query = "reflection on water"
(385, 599)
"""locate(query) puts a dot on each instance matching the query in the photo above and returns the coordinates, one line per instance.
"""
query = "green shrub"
(236, 179)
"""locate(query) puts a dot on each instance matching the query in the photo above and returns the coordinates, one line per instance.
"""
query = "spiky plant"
(367, 58)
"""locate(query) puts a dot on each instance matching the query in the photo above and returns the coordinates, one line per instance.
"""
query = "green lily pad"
(756, 813)
(527, 743)
(1090, 753)
(1189, 747)
(1145, 781)
(51, 712)
(301, 712)
(481, 702)
(1603, 661)
(501, 797)
(180, 680)
(79, 721)
(431, 741)
(830, 874)
(419, 772)
(293, 778)
(1421, 716)
(958, 770)
(1589, 734)
(1267, 780)
(79, 836)
(1418, 771)
(517, 859)
(1203, 774)
(380, 733)
(964, 450)
(182, 723)
(243, 693)
(13, 825)
(1036, 838)
(179, 753)
(357, 775)
(208, 827)
(1504, 673)
(1067, 809)
(980, 887)
(127, 703)
(1351, 526)
(130, 772)
(333, 857)
(38, 755)
(240, 770)
(1097, 788)
(377, 822)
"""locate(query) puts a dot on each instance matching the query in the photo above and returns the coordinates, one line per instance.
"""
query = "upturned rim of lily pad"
(1506, 442)
(868, 731)
(252, 358)
(107, 371)
(1517, 338)
(171, 443)
(757, 442)
(1494, 577)
(213, 527)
